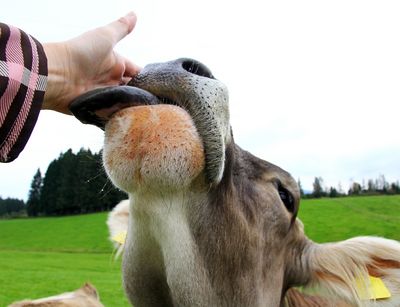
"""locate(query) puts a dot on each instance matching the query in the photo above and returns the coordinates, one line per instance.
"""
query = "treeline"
(77, 183)
(73, 184)
(11, 207)
(378, 186)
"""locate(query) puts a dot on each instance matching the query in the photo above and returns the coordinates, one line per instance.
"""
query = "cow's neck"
(160, 243)
(198, 247)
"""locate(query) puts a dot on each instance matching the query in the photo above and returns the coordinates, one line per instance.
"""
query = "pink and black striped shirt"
(23, 79)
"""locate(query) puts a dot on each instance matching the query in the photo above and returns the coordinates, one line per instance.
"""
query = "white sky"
(314, 85)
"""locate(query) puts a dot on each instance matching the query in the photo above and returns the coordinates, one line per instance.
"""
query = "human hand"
(87, 62)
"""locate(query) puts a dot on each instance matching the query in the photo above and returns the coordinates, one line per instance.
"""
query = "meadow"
(45, 256)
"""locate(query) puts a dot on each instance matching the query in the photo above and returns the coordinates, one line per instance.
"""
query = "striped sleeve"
(23, 79)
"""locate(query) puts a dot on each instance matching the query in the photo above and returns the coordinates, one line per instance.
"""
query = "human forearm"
(23, 78)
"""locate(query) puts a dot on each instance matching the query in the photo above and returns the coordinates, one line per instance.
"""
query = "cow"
(210, 224)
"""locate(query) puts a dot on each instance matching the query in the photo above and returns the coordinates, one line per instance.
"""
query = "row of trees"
(73, 184)
(377, 186)
(77, 183)
(10, 207)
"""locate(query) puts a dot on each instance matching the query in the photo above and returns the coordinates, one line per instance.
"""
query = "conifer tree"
(33, 203)
(318, 190)
(77, 183)
(300, 188)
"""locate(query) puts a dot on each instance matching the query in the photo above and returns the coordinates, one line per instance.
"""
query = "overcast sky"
(314, 85)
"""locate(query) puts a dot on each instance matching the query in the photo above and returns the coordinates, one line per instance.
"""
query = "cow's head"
(173, 135)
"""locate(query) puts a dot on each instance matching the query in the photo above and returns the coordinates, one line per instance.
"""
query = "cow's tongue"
(96, 107)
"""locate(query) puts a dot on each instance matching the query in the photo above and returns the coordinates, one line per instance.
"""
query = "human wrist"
(56, 94)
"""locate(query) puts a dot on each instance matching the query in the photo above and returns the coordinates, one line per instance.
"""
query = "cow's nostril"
(197, 68)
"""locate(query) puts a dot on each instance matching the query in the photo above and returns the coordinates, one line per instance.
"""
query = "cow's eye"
(287, 198)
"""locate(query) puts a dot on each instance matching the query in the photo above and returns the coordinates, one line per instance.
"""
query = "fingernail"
(132, 17)
(130, 20)
(130, 14)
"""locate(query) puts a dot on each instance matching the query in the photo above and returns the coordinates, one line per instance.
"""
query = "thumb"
(122, 27)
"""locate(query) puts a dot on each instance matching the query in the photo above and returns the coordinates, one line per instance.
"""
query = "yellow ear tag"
(375, 290)
(120, 237)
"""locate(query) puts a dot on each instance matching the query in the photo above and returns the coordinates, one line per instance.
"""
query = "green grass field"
(334, 219)
(45, 256)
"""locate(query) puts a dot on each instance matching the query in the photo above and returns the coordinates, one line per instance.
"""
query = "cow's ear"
(90, 290)
(357, 271)
(117, 223)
